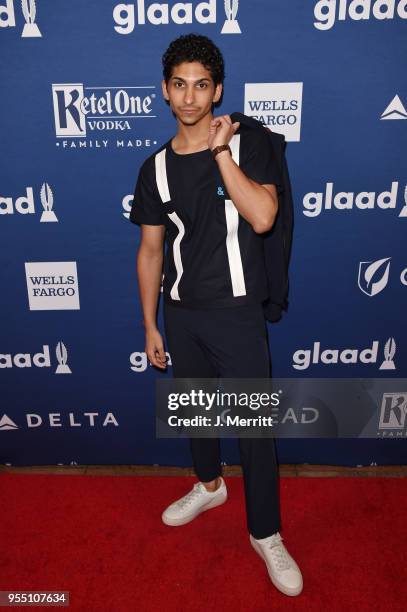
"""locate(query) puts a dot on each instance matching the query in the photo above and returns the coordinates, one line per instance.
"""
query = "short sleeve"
(258, 159)
(147, 206)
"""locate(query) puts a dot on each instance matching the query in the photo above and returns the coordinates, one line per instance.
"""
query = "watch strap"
(219, 148)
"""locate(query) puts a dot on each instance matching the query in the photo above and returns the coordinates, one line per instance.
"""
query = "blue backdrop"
(81, 108)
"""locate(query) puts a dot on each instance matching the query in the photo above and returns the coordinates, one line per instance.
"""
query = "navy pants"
(230, 343)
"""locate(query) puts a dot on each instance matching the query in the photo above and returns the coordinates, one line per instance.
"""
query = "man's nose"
(189, 95)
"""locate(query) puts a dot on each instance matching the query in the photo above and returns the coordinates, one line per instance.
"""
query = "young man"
(212, 212)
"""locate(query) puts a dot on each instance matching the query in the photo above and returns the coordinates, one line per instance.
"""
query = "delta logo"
(395, 110)
(58, 419)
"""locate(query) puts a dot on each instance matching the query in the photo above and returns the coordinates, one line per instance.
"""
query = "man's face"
(191, 92)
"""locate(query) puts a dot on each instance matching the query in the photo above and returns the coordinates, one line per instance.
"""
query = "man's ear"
(164, 89)
(218, 93)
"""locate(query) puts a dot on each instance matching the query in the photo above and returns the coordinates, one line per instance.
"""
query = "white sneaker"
(283, 570)
(193, 503)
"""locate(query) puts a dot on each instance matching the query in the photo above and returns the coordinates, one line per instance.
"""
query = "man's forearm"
(254, 202)
(149, 271)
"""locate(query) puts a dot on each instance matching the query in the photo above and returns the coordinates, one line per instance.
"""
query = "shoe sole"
(278, 585)
(174, 522)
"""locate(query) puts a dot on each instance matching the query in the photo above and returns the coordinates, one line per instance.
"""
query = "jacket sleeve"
(147, 207)
(259, 161)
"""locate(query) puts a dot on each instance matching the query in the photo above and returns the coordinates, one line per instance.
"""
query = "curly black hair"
(194, 48)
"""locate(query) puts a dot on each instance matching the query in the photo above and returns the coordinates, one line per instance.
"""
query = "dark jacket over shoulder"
(277, 241)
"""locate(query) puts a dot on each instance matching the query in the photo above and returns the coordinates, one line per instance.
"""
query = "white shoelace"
(197, 490)
(279, 553)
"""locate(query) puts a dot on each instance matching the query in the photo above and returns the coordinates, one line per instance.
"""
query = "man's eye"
(178, 83)
(203, 85)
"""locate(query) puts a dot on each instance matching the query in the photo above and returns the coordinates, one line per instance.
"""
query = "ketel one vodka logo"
(8, 19)
(77, 108)
(393, 411)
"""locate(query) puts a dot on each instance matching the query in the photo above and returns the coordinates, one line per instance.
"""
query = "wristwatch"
(219, 148)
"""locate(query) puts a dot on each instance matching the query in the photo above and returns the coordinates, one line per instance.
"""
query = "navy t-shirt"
(213, 258)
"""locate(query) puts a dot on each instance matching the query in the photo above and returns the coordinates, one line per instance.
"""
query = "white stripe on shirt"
(176, 250)
(232, 237)
(161, 176)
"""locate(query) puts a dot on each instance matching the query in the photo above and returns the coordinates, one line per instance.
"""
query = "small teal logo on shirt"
(220, 191)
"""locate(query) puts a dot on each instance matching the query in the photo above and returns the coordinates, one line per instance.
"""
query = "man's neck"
(190, 138)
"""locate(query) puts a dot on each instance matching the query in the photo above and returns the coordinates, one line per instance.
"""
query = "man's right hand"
(155, 349)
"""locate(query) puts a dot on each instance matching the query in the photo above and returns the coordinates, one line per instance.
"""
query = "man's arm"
(252, 190)
(258, 204)
(149, 270)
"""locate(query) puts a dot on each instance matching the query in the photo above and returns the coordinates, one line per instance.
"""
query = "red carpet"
(101, 538)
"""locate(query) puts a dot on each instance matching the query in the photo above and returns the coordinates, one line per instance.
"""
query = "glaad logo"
(139, 361)
(276, 105)
(127, 203)
(316, 201)
(24, 205)
(8, 19)
(105, 109)
(47, 201)
(38, 360)
(302, 359)
(395, 110)
(393, 413)
(325, 11)
(231, 25)
(389, 352)
(62, 358)
(373, 276)
(180, 13)
(52, 285)
(54, 420)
